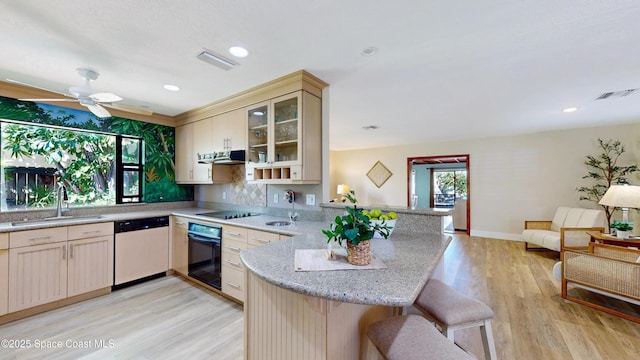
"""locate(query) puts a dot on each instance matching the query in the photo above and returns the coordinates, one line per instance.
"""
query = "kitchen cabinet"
(90, 258)
(184, 154)
(232, 268)
(4, 273)
(193, 139)
(180, 245)
(284, 140)
(234, 240)
(257, 238)
(229, 131)
(47, 265)
(37, 267)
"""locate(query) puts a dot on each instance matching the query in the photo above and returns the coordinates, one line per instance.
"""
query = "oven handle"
(205, 239)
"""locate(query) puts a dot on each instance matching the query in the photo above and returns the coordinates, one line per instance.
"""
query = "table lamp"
(342, 190)
(622, 196)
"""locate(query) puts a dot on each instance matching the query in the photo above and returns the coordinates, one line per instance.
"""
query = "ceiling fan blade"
(98, 111)
(128, 108)
(48, 100)
(35, 87)
(105, 97)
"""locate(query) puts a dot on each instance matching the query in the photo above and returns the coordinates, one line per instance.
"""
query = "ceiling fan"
(87, 96)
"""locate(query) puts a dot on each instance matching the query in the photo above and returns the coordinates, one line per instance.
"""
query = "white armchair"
(567, 229)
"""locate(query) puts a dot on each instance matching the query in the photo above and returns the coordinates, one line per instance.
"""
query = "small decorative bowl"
(391, 223)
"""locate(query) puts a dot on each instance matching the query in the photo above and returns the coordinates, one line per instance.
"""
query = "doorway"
(442, 182)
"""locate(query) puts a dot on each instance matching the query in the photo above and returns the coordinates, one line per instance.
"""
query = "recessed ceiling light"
(370, 51)
(570, 109)
(238, 51)
(171, 87)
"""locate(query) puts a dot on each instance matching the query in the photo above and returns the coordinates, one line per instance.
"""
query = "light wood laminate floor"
(169, 318)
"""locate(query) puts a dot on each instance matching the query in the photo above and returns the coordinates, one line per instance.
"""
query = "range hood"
(227, 157)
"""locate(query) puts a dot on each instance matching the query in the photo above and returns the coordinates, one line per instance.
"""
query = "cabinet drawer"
(4, 241)
(232, 260)
(233, 282)
(234, 233)
(180, 222)
(233, 246)
(257, 238)
(90, 230)
(35, 237)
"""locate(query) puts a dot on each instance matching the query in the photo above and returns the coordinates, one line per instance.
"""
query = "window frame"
(122, 167)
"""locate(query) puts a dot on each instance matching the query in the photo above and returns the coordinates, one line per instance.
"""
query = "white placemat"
(315, 260)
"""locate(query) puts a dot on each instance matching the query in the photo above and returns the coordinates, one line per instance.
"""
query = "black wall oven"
(205, 258)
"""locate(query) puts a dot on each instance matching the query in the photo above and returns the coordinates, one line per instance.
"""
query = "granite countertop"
(254, 222)
(410, 258)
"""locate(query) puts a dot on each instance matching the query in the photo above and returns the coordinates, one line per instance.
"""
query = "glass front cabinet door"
(275, 142)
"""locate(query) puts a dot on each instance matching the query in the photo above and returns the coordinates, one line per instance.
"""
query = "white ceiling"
(444, 69)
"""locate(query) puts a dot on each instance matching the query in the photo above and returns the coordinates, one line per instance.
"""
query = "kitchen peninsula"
(323, 314)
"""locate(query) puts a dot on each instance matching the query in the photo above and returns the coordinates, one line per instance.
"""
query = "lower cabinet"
(37, 275)
(89, 265)
(180, 245)
(233, 272)
(52, 264)
(257, 238)
(4, 273)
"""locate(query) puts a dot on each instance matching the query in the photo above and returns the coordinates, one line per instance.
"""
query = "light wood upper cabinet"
(4, 273)
(229, 131)
(193, 139)
(184, 154)
(284, 140)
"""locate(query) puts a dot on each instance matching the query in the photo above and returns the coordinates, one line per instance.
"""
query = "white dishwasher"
(141, 249)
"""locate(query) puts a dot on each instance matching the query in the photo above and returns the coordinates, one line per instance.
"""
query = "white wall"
(511, 179)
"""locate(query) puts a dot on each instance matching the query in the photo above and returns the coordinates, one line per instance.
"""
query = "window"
(36, 159)
(129, 153)
(448, 185)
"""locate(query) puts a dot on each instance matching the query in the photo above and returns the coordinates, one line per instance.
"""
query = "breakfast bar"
(293, 314)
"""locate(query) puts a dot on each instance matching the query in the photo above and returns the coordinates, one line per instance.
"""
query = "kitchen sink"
(278, 223)
(61, 219)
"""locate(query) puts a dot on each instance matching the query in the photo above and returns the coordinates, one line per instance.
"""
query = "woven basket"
(359, 254)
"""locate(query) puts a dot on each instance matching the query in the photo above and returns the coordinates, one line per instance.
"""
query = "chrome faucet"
(290, 196)
(62, 196)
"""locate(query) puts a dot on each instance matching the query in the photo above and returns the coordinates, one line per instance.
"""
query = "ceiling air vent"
(615, 94)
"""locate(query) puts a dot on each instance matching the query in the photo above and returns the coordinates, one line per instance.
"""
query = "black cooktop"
(228, 214)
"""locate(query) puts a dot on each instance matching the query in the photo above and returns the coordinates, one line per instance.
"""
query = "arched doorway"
(442, 182)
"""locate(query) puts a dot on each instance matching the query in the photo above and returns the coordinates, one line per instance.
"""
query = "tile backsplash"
(243, 193)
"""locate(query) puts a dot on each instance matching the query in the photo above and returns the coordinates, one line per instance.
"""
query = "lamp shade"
(623, 196)
(343, 189)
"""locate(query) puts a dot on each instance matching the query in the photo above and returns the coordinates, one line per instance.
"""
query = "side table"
(609, 239)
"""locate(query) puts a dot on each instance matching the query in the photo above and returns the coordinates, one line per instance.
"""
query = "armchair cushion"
(568, 228)
(604, 269)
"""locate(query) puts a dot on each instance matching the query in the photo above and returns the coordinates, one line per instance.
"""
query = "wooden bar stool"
(452, 311)
(410, 337)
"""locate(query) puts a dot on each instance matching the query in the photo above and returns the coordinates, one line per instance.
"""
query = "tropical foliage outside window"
(157, 165)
